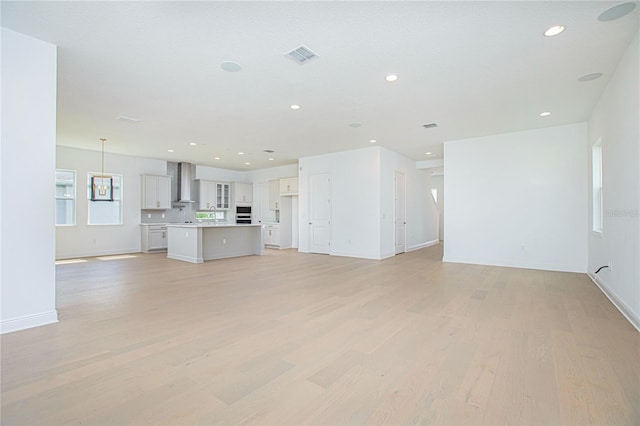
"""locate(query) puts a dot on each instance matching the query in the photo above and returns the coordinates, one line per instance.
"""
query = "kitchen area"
(196, 220)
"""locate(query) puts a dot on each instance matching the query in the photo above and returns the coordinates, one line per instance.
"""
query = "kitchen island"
(199, 242)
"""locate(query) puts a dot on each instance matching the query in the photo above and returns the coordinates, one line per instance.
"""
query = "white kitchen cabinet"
(289, 186)
(271, 235)
(243, 192)
(214, 194)
(223, 196)
(260, 210)
(274, 194)
(153, 237)
(156, 192)
(207, 192)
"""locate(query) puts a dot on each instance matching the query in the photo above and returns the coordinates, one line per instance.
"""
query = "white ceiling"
(475, 68)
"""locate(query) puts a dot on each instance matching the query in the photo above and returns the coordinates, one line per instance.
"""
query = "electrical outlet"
(224, 241)
(610, 265)
(163, 215)
(149, 215)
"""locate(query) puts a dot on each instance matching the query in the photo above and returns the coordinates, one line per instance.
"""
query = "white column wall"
(518, 199)
(616, 121)
(27, 227)
(355, 201)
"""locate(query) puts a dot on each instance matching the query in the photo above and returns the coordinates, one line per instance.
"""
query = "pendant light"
(102, 186)
(102, 189)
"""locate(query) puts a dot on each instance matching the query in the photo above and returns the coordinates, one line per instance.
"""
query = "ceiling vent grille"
(430, 125)
(301, 55)
(127, 119)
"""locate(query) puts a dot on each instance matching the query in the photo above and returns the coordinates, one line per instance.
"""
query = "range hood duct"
(185, 179)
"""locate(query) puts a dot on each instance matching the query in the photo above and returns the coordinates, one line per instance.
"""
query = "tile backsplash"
(181, 214)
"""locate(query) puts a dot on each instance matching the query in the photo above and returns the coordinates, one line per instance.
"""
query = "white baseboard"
(619, 304)
(423, 245)
(356, 255)
(29, 321)
(185, 258)
(511, 264)
(61, 256)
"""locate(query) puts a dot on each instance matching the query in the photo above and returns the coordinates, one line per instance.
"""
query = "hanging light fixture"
(102, 186)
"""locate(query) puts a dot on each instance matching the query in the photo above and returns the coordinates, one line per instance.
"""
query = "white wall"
(96, 240)
(219, 175)
(437, 182)
(421, 210)
(355, 201)
(616, 121)
(265, 175)
(518, 199)
(27, 280)
(362, 202)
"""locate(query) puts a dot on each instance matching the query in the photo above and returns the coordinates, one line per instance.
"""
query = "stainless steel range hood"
(185, 179)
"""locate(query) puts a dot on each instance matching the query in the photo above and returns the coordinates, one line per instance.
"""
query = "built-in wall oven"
(243, 214)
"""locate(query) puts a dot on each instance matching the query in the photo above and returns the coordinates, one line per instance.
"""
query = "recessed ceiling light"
(355, 124)
(391, 77)
(241, 153)
(294, 106)
(428, 153)
(617, 11)
(230, 66)
(216, 158)
(373, 141)
(271, 159)
(170, 150)
(589, 77)
(248, 164)
(545, 114)
(193, 143)
(554, 31)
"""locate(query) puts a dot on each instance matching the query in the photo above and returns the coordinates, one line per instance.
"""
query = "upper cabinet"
(289, 186)
(223, 195)
(207, 194)
(156, 192)
(243, 192)
(274, 195)
(214, 195)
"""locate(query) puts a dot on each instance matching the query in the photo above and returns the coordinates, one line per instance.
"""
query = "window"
(596, 166)
(65, 197)
(107, 210)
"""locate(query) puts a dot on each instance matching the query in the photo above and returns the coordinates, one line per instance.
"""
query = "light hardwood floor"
(291, 338)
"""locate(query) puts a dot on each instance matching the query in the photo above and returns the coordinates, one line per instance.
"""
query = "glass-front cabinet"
(222, 195)
(214, 195)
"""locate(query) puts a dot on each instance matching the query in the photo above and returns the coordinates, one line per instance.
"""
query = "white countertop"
(212, 225)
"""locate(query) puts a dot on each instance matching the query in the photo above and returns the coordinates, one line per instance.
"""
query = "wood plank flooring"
(292, 338)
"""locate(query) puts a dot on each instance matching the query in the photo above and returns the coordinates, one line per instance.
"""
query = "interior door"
(320, 213)
(400, 219)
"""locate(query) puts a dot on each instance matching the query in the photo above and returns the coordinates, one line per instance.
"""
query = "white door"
(400, 219)
(320, 214)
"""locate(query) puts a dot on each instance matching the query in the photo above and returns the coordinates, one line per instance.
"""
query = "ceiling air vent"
(301, 55)
(127, 119)
(430, 125)
(269, 151)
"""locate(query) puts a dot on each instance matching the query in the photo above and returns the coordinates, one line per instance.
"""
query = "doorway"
(400, 219)
(320, 213)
